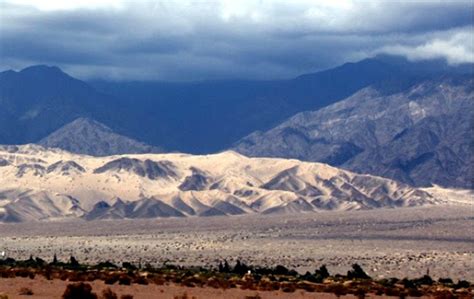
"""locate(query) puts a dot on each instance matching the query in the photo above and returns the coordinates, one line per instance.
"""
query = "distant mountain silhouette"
(195, 117)
(40, 99)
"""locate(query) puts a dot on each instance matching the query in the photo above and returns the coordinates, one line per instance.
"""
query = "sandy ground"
(386, 243)
(49, 289)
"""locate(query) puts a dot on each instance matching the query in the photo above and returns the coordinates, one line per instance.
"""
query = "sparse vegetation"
(79, 291)
(357, 282)
(357, 273)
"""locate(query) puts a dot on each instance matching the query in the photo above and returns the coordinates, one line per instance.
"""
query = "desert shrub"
(55, 260)
(275, 286)
(395, 292)
(169, 266)
(293, 273)
(402, 295)
(216, 283)
(256, 296)
(47, 273)
(425, 280)
(105, 265)
(240, 268)
(22, 273)
(322, 272)
(175, 279)
(312, 278)
(307, 287)
(73, 262)
(4, 273)
(3, 296)
(337, 289)
(111, 279)
(91, 276)
(265, 285)
(125, 280)
(192, 281)
(444, 294)
(360, 293)
(445, 281)
(109, 294)
(29, 262)
(64, 276)
(188, 283)
(141, 280)
(390, 282)
(415, 293)
(224, 267)
(280, 270)
(248, 284)
(126, 296)
(40, 262)
(79, 291)
(158, 280)
(130, 266)
(8, 262)
(408, 284)
(288, 287)
(263, 271)
(462, 284)
(76, 276)
(26, 291)
(357, 273)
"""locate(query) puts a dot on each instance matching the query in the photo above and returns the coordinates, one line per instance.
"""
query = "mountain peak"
(42, 69)
(85, 122)
(404, 136)
(87, 136)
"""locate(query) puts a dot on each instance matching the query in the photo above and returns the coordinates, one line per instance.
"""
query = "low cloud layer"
(197, 40)
(456, 48)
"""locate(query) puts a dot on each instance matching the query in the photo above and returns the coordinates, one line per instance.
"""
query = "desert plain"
(408, 242)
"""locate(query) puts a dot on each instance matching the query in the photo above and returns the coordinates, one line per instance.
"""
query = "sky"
(227, 39)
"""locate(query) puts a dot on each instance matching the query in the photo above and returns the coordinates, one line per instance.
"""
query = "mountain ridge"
(420, 136)
(63, 185)
(195, 117)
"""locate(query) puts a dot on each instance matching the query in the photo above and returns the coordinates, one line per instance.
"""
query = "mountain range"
(50, 184)
(385, 116)
(192, 117)
(421, 136)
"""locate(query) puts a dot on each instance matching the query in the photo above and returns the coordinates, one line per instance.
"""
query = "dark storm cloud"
(193, 40)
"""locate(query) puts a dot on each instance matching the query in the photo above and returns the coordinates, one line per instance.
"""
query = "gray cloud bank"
(196, 40)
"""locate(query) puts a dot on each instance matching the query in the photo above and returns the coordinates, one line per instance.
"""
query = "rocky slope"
(420, 136)
(86, 136)
(47, 184)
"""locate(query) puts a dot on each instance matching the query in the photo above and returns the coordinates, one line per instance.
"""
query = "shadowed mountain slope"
(421, 136)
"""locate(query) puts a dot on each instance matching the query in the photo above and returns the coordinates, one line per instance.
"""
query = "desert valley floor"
(404, 242)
